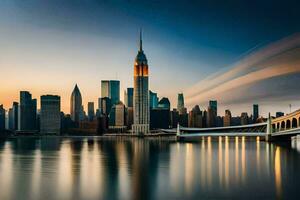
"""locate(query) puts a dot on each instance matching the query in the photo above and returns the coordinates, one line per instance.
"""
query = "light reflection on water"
(132, 168)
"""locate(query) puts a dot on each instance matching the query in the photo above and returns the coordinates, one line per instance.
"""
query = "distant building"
(105, 91)
(2, 118)
(153, 100)
(244, 118)
(180, 104)
(104, 105)
(129, 117)
(195, 117)
(279, 114)
(255, 113)
(77, 112)
(13, 117)
(91, 111)
(50, 117)
(10, 119)
(111, 89)
(117, 117)
(227, 118)
(174, 118)
(141, 115)
(212, 114)
(164, 103)
(128, 97)
(27, 119)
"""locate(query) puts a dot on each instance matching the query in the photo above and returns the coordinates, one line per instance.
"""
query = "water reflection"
(132, 168)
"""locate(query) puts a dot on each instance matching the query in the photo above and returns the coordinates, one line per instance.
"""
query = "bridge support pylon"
(269, 129)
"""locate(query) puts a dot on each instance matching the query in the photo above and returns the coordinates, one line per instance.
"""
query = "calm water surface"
(132, 168)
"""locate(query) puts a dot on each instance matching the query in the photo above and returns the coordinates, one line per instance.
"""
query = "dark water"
(132, 168)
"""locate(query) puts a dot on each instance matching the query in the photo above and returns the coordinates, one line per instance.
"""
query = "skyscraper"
(105, 88)
(114, 91)
(2, 118)
(227, 118)
(76, 105)
(27, 120)
(255, 112)
(141, 93)
(111, 89)
(153, 100)
(180, 104)
(50, 114)
(91, 111)
(104, 105)
(212, 113)
(128, 96)
(15, 108)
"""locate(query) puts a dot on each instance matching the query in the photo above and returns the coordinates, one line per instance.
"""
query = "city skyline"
(78, 46)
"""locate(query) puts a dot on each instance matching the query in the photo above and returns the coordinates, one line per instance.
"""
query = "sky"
(47, 46)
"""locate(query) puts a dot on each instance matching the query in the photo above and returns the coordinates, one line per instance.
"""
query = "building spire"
(141, 42)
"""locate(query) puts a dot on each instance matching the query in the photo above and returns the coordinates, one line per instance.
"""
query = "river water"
(135, 168)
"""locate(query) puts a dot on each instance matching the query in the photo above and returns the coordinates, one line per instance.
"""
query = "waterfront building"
(174, 118)
(255, 113)
(50, 116)
(159, 118)
(244, 118)
(27, 119)
(212, 112)
(164, 103)
(195, 117)
(180, 104)
(15, 108)
(77, 113)
(10, 119)
(153, 100)
(141, 93)
(129, 117)
(104, 105)
(120, 114)
(111, 89)
(91, 111)
(128, 97)
(227, 118)
(2, 118)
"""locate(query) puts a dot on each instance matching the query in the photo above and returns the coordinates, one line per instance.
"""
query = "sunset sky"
(48, 46)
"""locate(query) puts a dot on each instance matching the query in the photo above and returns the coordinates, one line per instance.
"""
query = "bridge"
(274, 128)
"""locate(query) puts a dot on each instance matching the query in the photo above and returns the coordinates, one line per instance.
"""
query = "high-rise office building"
(91, 111)
(180, 104)
(15, 108)
(50, 116)
(244, 118)
(120, 114)
(153, 100)
(195, 117)
(27, 119)
(141, 93)
(2, 118)
(76, 105)
(10, 119)
(227, 118)
(104, 105)
(111, 89)
(105, 92)
(255, 112)
(128, 97)
(114, 87)
(212, 112)
(164, 103)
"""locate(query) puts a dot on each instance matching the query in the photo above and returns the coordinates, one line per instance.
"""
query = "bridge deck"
(224, 134)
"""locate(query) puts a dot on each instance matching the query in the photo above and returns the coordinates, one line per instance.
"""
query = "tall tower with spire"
(76, 105)
(141, 93)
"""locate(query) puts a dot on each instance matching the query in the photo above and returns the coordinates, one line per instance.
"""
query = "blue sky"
(49, 45)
